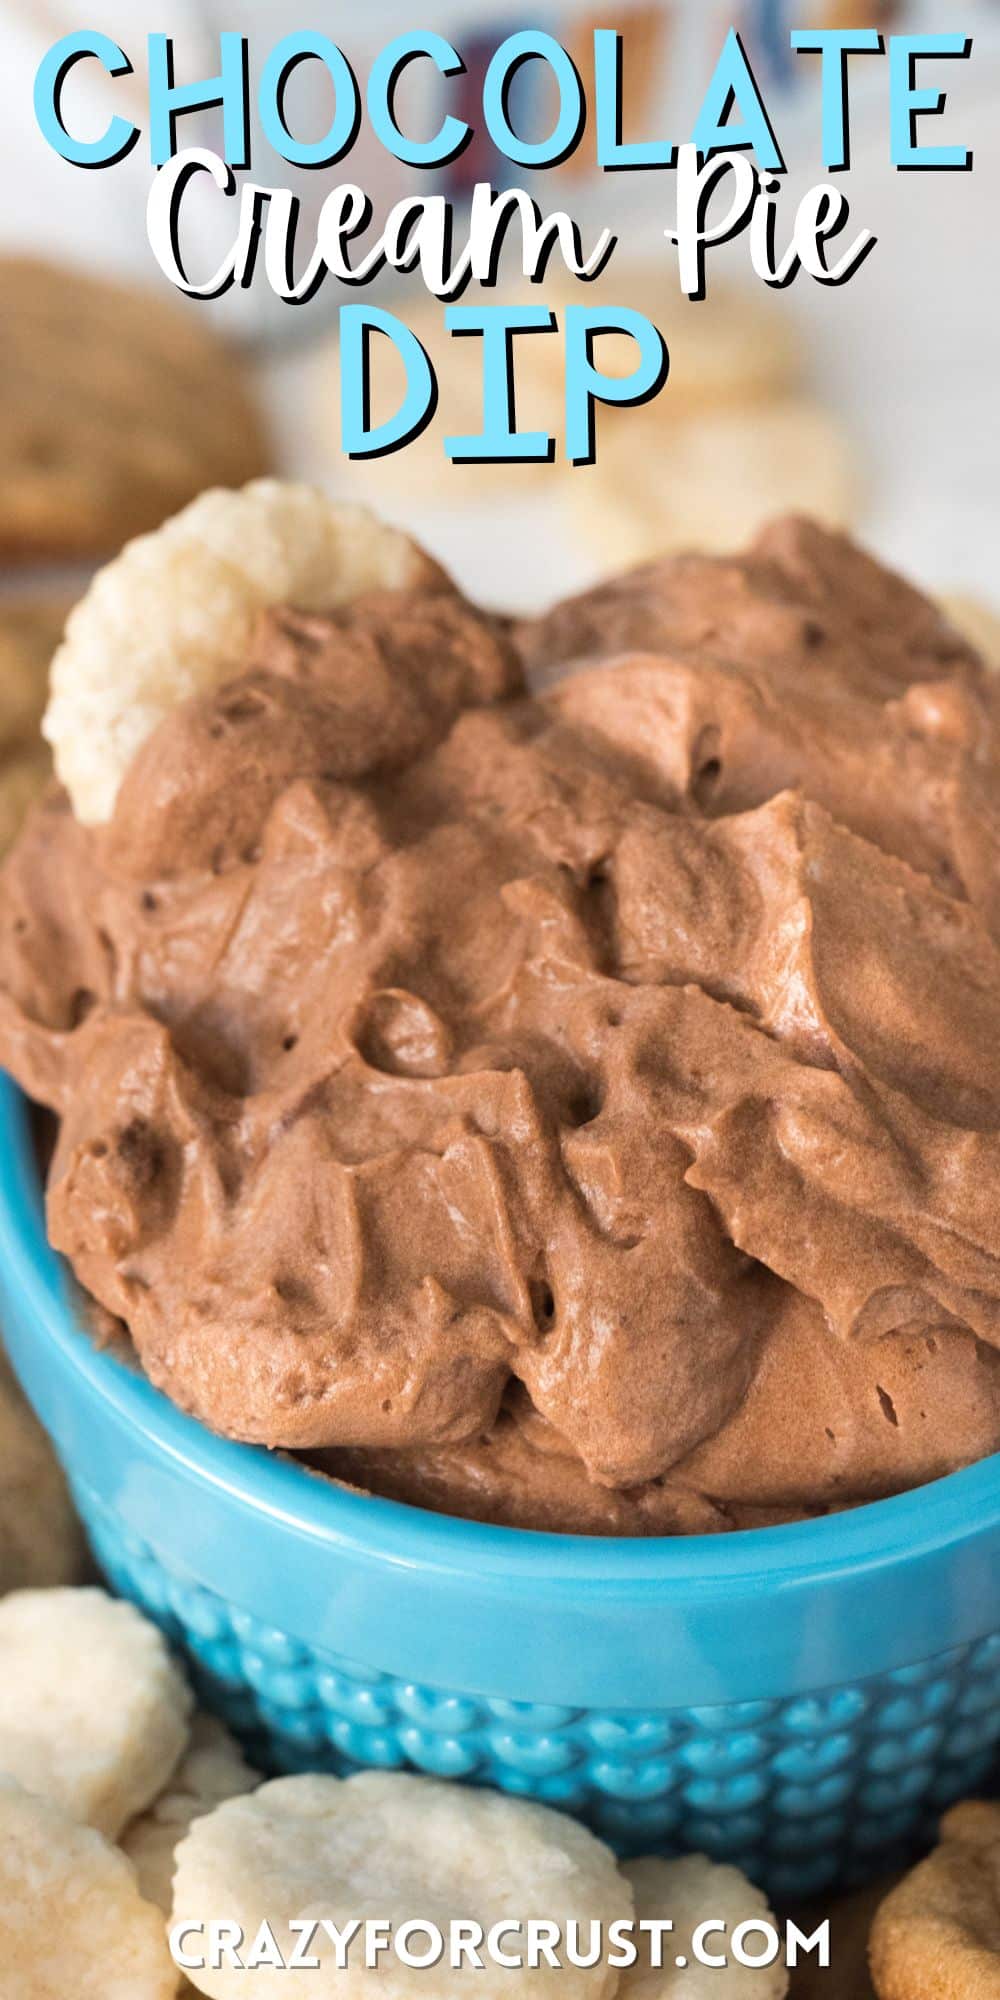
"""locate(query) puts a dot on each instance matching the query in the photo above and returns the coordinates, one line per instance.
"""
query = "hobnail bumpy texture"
(801, 1793)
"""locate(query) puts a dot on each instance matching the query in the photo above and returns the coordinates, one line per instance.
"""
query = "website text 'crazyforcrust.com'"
(307, 1943)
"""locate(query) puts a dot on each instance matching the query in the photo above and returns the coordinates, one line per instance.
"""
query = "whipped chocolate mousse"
(580, 1108)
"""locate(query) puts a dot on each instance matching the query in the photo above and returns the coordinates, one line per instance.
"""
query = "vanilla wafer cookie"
(95, 1714)
(73, 1925)
(688, 1893)
(172, 616)
(212, 1769)
(388, 1846)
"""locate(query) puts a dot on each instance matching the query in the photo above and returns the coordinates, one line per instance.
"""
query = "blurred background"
(875, 405)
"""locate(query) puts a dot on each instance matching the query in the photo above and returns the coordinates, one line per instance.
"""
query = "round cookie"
(94, 1712)
(689, 1892)
(41, 1540)
(212, 1769)
(733, 348)
(119, 406)
(392, 1847)
(711, 480)
(730, 349)
(937, 1935)
(24, 773)
(72, 1921)
(30, 629)
(173, 614)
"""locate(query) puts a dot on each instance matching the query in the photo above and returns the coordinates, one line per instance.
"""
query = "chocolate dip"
(579, 1109)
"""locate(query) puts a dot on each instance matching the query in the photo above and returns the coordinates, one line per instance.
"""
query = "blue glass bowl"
(803, 1700)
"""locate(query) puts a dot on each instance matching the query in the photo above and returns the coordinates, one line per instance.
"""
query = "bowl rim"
(929, 1519)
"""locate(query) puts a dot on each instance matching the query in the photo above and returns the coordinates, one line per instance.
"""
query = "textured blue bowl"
(803, 1700)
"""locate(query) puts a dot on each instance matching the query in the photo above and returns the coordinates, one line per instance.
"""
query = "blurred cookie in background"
(733, 347)
(730, 350)
(30, 630)
(732, 440)
(733, 437)
(118, 407)
(24, 775)
(710, 479)
(41, 1540)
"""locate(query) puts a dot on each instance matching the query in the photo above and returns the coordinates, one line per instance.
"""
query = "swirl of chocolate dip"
(579, 1109)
